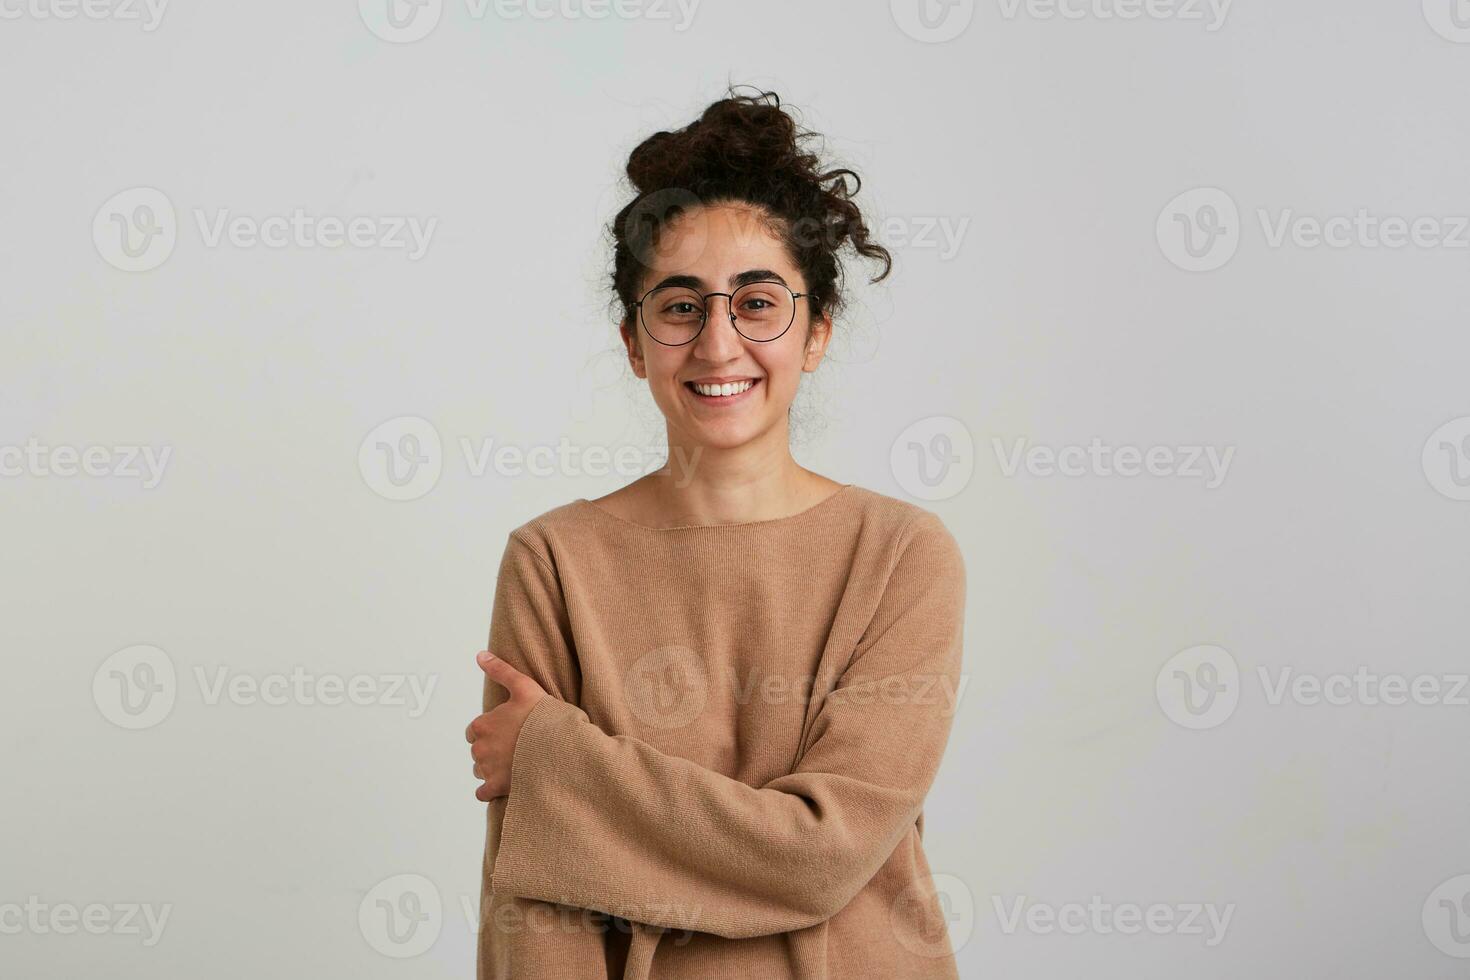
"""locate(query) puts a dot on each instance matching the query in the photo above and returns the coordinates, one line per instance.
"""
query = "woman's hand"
(492, 736)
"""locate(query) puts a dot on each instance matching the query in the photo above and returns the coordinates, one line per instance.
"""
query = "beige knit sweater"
(727, 778)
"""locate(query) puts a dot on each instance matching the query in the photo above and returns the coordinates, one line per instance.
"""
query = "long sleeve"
(610, 823)
(522, 938)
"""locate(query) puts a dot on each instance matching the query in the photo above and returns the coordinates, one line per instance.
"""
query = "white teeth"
(733, 388)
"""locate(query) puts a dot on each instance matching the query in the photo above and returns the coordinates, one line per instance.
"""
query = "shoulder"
(910, 566)
(550, 531)
(907, 526)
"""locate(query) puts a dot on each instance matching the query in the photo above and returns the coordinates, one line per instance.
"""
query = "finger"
(483, 793)
(499, 671)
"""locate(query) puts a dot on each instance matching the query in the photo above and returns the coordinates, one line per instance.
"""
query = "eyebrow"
(736, 281)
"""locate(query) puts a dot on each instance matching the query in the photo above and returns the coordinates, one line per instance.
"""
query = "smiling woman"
(714, 704)
(734, 216)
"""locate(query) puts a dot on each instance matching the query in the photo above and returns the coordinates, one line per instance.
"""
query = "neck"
(751, 482)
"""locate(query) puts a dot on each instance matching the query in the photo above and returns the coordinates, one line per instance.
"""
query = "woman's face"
(715, 249)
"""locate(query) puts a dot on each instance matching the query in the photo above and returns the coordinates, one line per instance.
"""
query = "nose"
(719, 340)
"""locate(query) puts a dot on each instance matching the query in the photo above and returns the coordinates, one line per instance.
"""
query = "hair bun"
(733, 136)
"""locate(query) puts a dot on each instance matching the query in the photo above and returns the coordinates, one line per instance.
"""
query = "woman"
(715, 698)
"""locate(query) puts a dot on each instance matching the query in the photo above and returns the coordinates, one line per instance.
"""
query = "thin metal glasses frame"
(729, 303)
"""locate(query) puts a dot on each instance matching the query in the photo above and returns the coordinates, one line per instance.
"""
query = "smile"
(723, 393)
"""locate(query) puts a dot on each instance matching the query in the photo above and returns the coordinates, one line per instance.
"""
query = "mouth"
(723, 394)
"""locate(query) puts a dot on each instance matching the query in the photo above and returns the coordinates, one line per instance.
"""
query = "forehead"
(714, 243)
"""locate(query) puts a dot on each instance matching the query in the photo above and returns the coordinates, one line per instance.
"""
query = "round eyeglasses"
(759, 311)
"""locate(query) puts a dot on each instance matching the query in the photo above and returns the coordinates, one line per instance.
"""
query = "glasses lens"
(673, 314)
(763, 310)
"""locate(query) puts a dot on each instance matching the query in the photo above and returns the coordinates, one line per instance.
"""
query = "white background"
(1051, 144)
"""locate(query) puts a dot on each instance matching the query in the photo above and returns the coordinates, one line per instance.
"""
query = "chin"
(726, 438)
(721, 437)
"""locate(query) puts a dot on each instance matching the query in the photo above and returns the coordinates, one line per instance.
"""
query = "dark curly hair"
(744, 149)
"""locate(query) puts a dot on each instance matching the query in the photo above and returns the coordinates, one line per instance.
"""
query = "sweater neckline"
(767, 522)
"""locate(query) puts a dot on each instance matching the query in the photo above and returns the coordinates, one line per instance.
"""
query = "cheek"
(783, 365)
(662, 363)
(663, 368)
(781, 381)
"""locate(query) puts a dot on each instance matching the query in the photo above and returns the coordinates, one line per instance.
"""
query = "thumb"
(498, 670)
